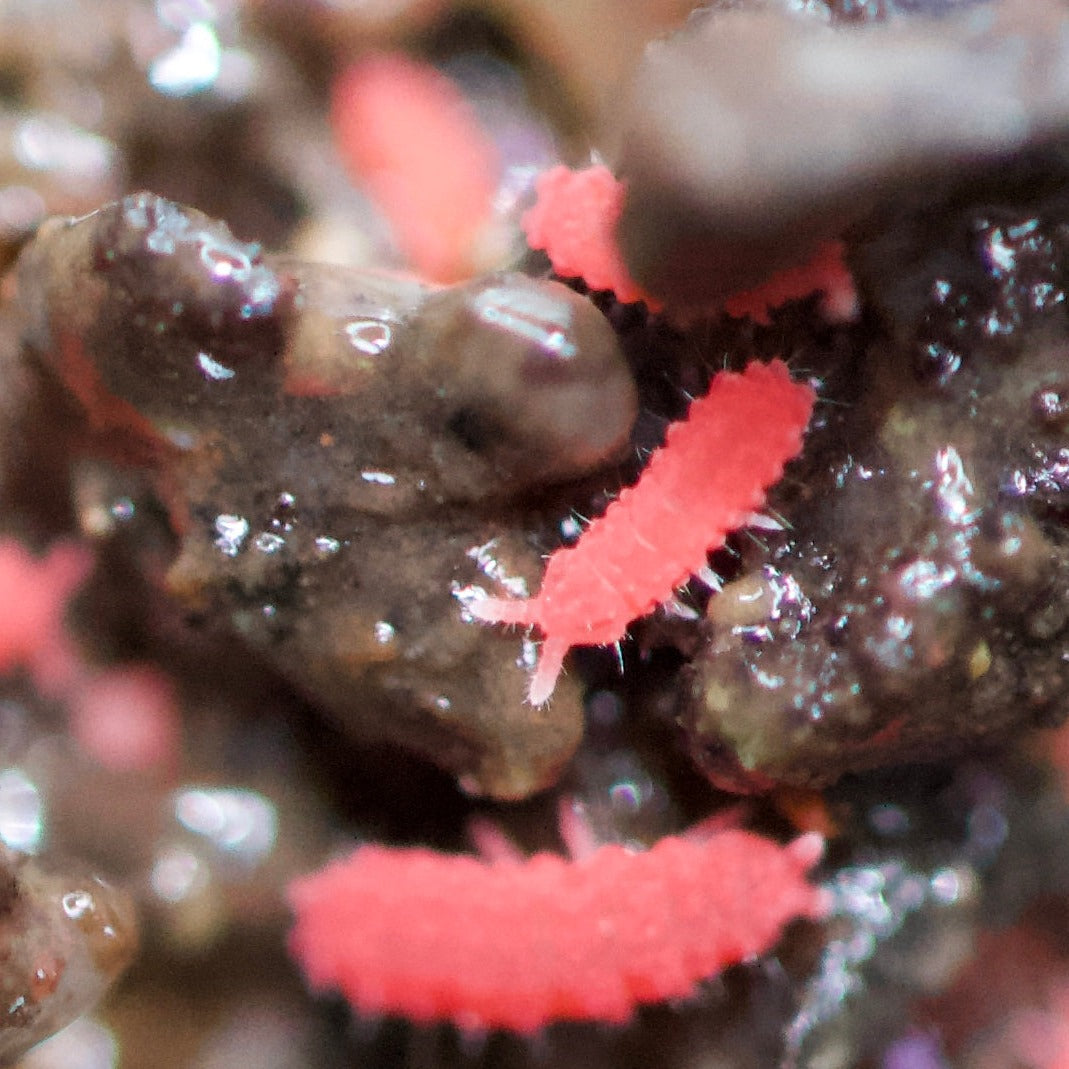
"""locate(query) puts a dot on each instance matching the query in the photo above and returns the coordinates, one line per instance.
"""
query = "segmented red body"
(518, 945)
(574, 221)
(711, 473)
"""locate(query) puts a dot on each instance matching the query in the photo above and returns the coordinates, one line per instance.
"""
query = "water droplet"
(533, 315)
(212, 369)
(953, 489)
(998, 253)
(76, 904)
(369, 336)
(570, 529)
(924, 579)
(268, 543)
(1051, 403)
(52, 144)
(232, 532)
(327, 546)
(223, 262)
(236, 820)
(22, 821)
(191, 66)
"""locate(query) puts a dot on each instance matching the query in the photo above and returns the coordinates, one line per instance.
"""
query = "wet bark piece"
(919, 606)
(754, 134)
(63, 940)
(321, 439)
(433, 388)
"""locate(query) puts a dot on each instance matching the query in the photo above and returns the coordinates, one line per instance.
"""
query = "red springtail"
(710, 475)
(521, 944)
